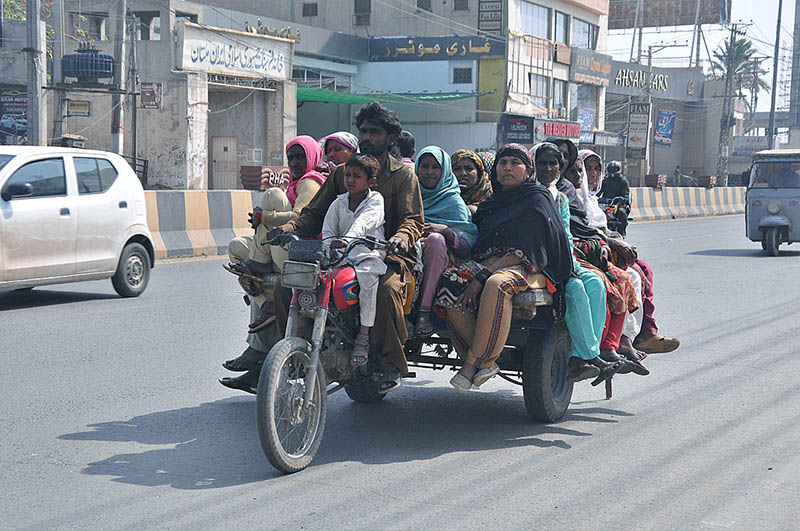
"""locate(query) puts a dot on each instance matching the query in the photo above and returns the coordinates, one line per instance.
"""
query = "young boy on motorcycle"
(359, 214)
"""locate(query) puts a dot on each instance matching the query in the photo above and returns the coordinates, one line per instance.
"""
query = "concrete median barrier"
(201, 223)
(677, 203)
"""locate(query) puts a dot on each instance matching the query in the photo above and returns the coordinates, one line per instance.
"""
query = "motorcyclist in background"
(615, 184)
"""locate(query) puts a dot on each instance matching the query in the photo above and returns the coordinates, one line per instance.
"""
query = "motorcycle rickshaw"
(313, 360)
(772, 203)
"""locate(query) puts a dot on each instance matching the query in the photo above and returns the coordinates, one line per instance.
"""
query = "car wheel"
(133, 271)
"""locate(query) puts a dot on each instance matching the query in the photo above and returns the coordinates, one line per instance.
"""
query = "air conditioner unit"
(562, 112)
(361, 19)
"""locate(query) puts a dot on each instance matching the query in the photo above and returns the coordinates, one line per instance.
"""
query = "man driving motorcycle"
(615, 184)
(378, 128)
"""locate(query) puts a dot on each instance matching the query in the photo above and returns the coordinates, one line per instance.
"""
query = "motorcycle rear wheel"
(290, 436)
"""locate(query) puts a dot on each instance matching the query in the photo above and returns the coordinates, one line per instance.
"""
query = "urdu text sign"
(221, 51)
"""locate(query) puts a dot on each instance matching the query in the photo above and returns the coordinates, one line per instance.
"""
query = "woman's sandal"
(250, 359)
(424, 326)
(461, 382)
(360, 351)
(607, 369)
(635, 363)
(484, 375)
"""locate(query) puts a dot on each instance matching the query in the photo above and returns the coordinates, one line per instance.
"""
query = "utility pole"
(36, 115)
(771, 135)
(117, 101)
(133, 82)
(58, 77)
(724, 126)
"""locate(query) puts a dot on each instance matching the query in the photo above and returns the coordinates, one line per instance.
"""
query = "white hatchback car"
(68, 215)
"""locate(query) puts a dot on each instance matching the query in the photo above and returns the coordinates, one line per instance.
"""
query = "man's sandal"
(388, 378)
(250, 359)
(360, 351)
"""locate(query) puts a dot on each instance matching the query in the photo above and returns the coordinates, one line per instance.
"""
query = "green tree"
(746, 69)
(14, 9)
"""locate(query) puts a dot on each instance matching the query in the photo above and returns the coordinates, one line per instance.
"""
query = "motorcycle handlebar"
(369, 242)
(283, 239)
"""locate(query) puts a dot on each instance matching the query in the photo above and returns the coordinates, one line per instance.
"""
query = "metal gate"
(224, 174)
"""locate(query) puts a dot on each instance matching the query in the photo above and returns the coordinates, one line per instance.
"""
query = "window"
(462, 76)
(424, 5)
(362, 6)
(584, 34)
(4, 159)
(94, 175)
(90, 26)
(460, 5)
(559, 97)
(188, 16)
(539, 92)
(46, 176)
(148, 25)
(310, 10)
(562, 28)
(535, 20)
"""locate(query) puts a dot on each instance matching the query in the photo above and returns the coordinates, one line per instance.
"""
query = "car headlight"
(300, 275)
(775, 208)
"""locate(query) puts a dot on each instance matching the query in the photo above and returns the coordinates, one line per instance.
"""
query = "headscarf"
(597, 218)
(524, 219)
(443, 203)
(345, 138)
(586, 154)
(479, 191)
(578, 219)
(313, 156)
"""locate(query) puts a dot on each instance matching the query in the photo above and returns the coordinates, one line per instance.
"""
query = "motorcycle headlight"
(299, 275)
(775, 208)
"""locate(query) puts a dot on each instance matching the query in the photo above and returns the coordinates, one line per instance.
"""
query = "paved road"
(112, 418)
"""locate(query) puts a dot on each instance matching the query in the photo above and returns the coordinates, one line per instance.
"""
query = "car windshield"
(775, 174)
(4, 160)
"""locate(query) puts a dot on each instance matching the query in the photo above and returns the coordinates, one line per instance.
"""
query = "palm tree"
(746, 68)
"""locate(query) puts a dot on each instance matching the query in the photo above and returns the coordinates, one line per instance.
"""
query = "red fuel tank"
(345, 289)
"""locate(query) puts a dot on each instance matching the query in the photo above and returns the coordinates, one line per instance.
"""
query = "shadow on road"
(13, 300)
(215, 444)
(754, 253)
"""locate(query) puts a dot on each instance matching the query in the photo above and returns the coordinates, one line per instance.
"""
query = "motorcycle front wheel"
(290, 434)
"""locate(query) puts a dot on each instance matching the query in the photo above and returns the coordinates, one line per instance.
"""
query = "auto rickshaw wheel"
(544, 374)
(771, 241)
(290, 433)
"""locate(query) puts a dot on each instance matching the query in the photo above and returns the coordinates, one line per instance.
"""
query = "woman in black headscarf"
(478, 293)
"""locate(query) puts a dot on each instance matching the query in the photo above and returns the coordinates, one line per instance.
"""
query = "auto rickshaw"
(772, 204)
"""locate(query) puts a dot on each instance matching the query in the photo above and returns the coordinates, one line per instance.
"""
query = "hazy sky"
(762, 13)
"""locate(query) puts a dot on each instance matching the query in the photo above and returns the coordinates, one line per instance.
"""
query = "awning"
(315, 94)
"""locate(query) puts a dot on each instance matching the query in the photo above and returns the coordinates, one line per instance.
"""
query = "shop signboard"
(234, 53)
(665, 127)
(601, 138)
(679, 84)
(490, 16)
(383, 49)
(638, 131)
(519, 129)
(79, 108)
(745, 146)
(151, 95)
(590, 67)
(557, 128)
